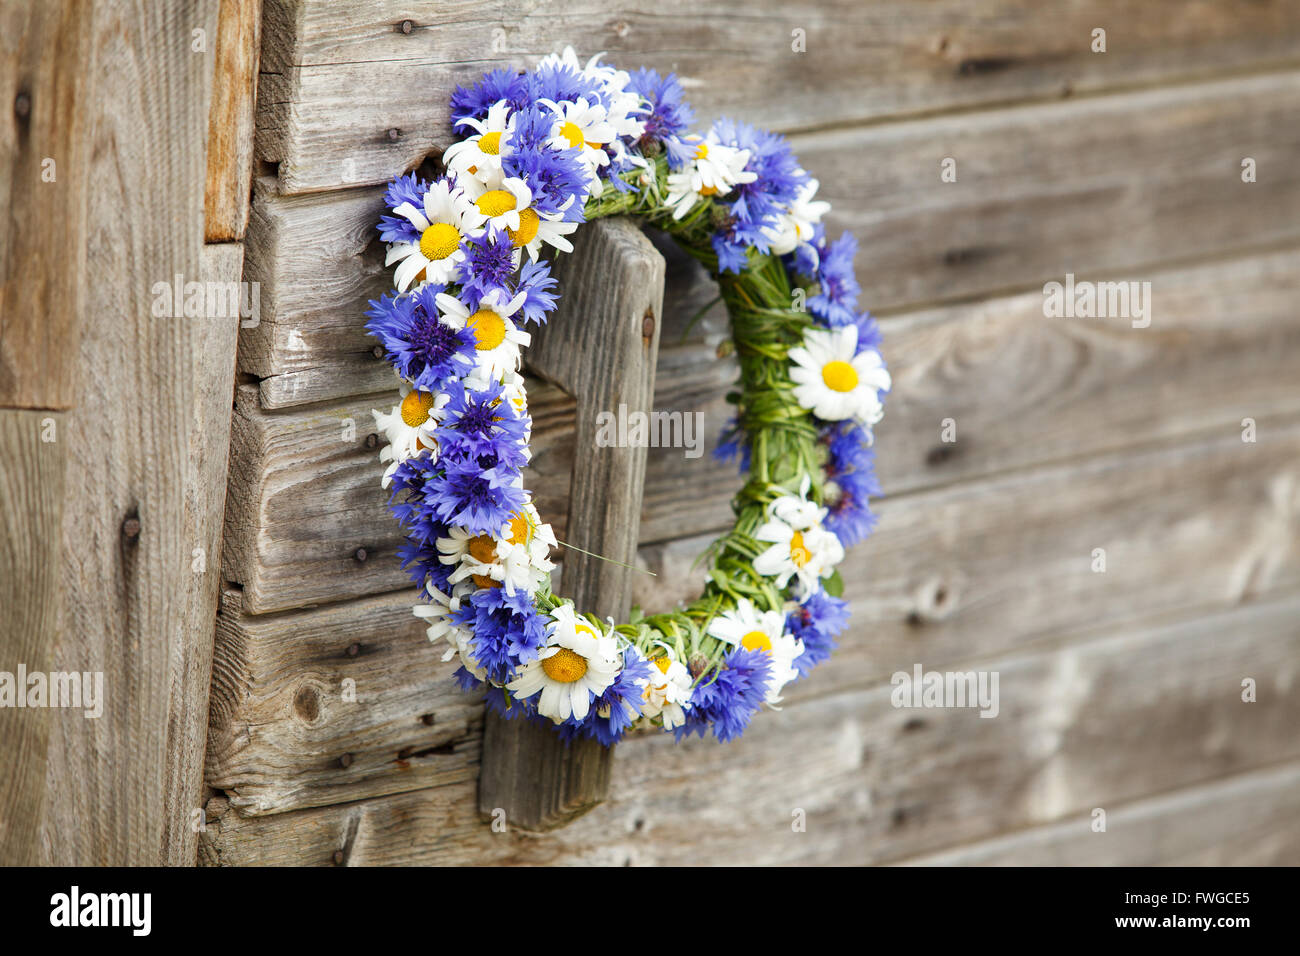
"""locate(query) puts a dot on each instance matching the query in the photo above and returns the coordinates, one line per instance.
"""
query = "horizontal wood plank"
(1019, 388)
(1094, 724)
(333, 111)
(1039, 194)
(1246, 820)
(974, 571)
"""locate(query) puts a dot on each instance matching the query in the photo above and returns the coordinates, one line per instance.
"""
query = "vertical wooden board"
(43, 150)
(147, 430)
(230, 121)
(601, 346)
(33, 450)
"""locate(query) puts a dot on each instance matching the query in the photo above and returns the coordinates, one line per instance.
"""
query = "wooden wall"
(1120, 690)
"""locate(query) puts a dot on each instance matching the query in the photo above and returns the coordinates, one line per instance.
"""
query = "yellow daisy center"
(490, 143)
(708, 190)
(527, 231)
(521, 529)
(702, 151)
(799, 553)
(489, 329)
(840, 376)
(663, 663)
(565, 666)
(439, 241)
(415, 408)
(572, 133)
(756, 641)
(495, 202)
(482, 548)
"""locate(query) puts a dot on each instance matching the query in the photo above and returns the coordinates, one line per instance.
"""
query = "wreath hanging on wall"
(544, 152)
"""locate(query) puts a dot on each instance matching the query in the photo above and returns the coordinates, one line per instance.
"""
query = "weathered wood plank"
(601, 346)
(329, 117)
(32, 459)
(150, 426)
(231, 120)
(333, 705)
(1246, 820)
(975, 571)
(1020, 389)
(44, 145)
(1039, 194)
(1094, 724)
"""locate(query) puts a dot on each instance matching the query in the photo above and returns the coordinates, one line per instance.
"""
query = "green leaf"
(834, 585)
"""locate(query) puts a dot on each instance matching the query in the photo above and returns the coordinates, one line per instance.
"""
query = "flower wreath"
(546, 151)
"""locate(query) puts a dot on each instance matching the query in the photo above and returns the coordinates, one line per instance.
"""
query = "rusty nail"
(338, 857)
(345, 761)
(354, 650)
(131, 527)
(394, 135)
(372, 440)
(407, 26)
(23, 106)
(360, 554)
(648, 326)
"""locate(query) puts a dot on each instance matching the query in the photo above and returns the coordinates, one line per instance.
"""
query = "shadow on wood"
(600, 346)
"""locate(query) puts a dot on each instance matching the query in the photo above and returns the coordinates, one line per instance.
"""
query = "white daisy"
(624, 112)
(714, 170)
(518, 557)
(497, 340)
(480, 155)
(795, 225)
(501, 201)
(800, 547)
(409, 427)
(834, 382)
(537, 227)
(438, 613)
(447, 218)
(668, 691)
(582, 126)
(578, 661)
(755, 630)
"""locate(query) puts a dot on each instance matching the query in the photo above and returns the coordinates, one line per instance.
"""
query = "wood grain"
(44, 146)
(1246, 820)
(1098, 723)
(32, 457)
(329, 117)
(1040, 193)
(230, 122)
(1020, 388)
(150, 445)
(601, 346)
(975, 571)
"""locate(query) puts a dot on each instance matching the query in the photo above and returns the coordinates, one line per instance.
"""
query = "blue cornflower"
(668, 115)
(537, 283)
(409, 188)
(478, 498)
(868, 332)
(490, 262)
(508, 630)
(836, 301)
(556, 177)
(557, 82)
(733, 442)
(424, 350)
(778, 181)
(421, 560)
(851, 465)
(816, 622)
(474, 102)
(481, 424)
(731, 698)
